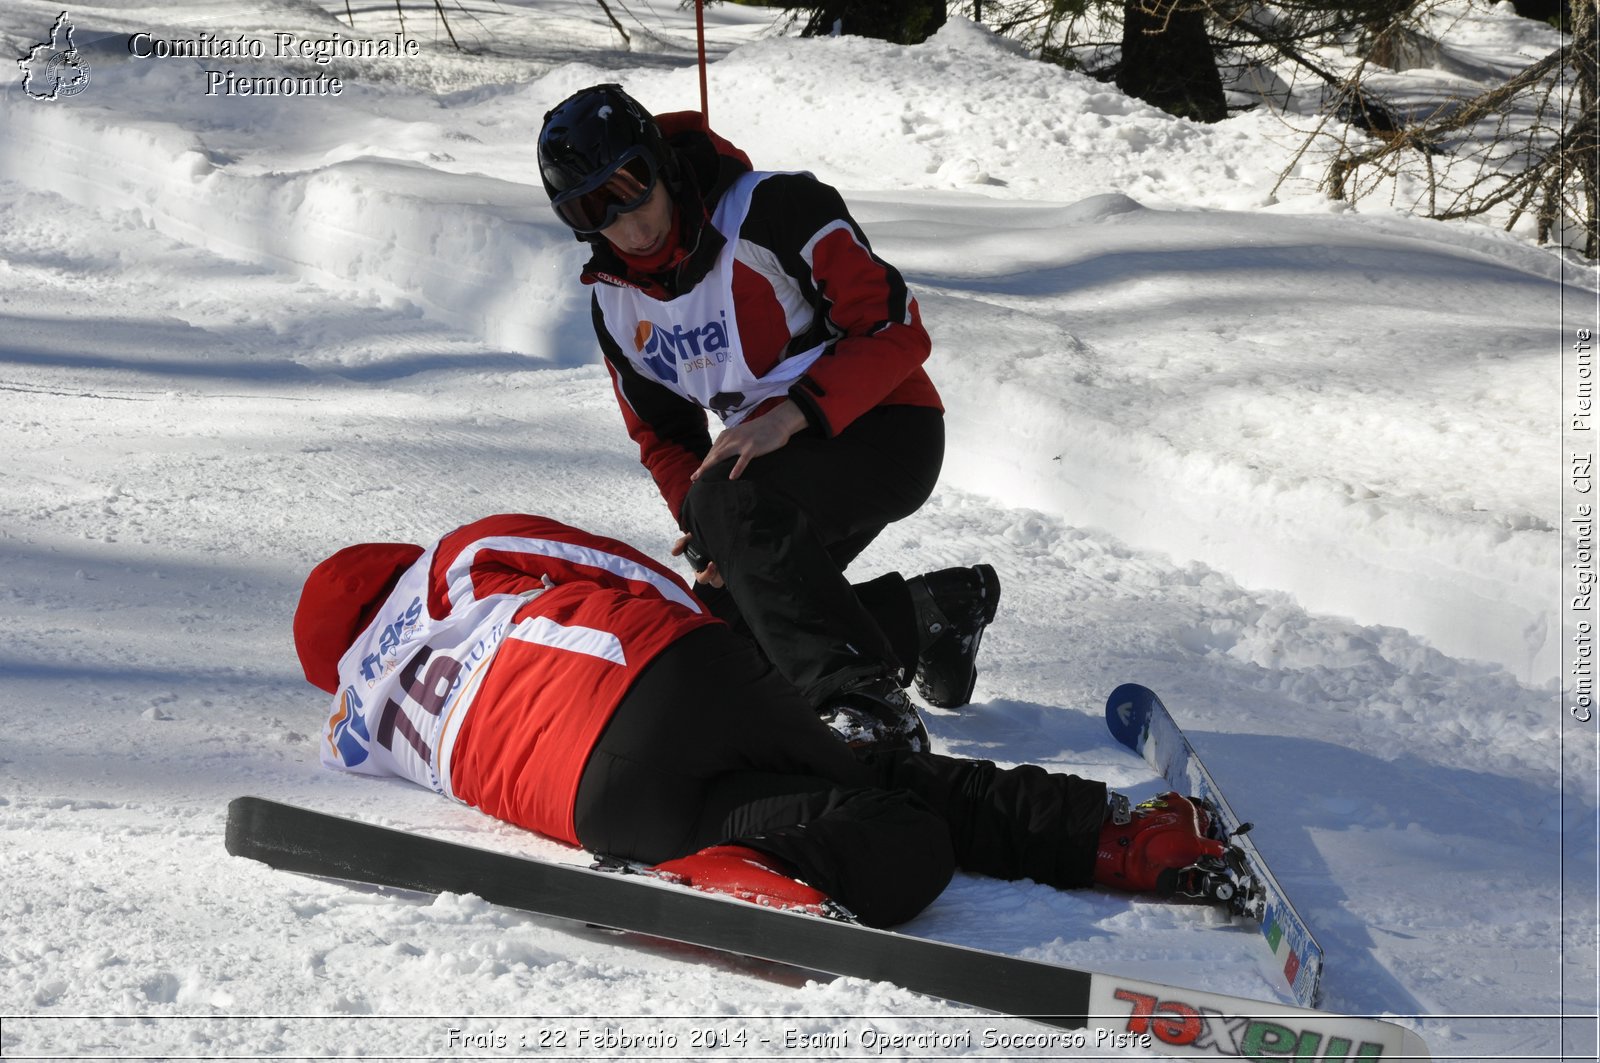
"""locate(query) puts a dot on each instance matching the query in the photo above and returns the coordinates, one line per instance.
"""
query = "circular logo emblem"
(66, 74)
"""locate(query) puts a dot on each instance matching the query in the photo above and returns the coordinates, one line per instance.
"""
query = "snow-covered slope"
(1297, 468)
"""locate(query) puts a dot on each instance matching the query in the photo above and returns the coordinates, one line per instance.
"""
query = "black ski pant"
(784, 531)
(711, 745)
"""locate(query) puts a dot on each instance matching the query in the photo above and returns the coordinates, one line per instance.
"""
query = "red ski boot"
(1162, 847)
(749, 875)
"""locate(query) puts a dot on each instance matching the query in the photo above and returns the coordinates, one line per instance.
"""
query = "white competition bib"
(691, 344)
(408, 681)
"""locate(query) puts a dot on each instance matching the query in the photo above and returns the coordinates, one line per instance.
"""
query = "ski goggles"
(597, 203)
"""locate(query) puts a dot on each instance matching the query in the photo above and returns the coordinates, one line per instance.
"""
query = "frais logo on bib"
(695, 347)
(374, 666)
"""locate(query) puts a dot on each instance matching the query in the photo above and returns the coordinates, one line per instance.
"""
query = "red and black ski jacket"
(804, 274)
(489, 665)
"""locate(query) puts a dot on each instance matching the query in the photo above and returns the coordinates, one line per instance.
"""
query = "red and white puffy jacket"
(489, 670)
(778, 276)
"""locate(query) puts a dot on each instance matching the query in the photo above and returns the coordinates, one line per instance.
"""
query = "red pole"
(700, 33)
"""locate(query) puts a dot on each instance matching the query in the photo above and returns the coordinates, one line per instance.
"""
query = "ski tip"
(1208, 1025)
(1128, 714)
(247, 817)
(240, 812)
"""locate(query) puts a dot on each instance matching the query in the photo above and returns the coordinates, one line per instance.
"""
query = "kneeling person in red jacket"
(571, 685)
(755, 296)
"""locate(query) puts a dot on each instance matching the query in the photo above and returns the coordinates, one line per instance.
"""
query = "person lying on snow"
(568, 684)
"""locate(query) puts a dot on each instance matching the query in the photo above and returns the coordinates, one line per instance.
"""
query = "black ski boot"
(953, 606)
(875, 715)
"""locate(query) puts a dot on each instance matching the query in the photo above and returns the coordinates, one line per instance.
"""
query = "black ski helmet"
(588, 136)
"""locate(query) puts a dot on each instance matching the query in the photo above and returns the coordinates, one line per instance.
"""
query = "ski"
(1139, 720)
(1129, 1012)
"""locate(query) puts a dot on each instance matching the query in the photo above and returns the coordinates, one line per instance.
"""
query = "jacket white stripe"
(458, 577)
(542, 631)
(808, 253)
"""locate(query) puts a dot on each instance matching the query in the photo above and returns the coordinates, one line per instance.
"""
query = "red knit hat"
(339, 600)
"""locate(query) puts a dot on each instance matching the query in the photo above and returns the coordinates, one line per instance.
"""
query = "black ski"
(1186, 1022)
